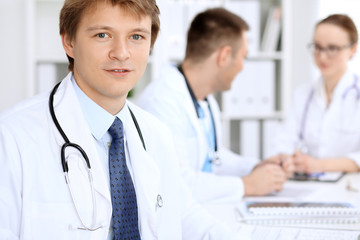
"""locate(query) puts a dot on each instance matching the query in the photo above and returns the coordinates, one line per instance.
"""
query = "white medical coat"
(168, 99)
(35, 202)
(329, 131)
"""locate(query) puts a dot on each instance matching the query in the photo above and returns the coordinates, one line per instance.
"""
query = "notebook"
(294, 213)
(254, 232)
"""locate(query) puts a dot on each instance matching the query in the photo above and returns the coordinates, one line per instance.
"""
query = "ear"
(353, 50)
(67, 45)
(224, 56)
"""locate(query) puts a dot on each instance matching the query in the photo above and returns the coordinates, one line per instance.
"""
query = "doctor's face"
(110, 52)
(332, 50)
(235, 65)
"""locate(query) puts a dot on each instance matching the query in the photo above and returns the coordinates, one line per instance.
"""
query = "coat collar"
(146, 178)
(191, 111)
(345, 82)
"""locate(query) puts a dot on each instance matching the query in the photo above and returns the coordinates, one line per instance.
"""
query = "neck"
(112, 107)
(331, 82)
(112, 104)
(199, 78)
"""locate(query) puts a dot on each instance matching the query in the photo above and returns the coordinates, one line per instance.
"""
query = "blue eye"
(136, 37)
(102, 35)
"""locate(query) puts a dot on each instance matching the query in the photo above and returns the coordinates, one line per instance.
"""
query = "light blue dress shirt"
(99, 121)
(208, 128)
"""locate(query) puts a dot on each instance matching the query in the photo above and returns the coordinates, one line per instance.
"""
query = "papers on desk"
(254, 232)
(293, 213)
(290, 192)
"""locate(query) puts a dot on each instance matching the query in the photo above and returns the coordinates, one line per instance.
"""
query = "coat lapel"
(70, 117)
(190, 109)
(146, 175)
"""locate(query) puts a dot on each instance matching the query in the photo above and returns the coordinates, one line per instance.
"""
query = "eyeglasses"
(330, 51)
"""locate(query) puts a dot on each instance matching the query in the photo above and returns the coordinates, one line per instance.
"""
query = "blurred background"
(32, 59)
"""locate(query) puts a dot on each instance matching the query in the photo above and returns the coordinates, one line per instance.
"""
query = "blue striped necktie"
(123, 196)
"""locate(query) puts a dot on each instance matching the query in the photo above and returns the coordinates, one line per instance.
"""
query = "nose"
(119, 50)
(321, 54)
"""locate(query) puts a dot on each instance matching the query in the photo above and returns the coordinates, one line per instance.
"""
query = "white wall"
(13, 54)
(305, 15)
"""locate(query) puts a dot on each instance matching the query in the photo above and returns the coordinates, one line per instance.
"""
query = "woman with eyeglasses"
(321, 132)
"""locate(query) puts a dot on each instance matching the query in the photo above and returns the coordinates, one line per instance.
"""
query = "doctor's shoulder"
(151, 127)
(32, 108)
(167, 88)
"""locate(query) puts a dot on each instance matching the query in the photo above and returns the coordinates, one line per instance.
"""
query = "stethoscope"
(213, 154)
(65, 166)
(301, 144)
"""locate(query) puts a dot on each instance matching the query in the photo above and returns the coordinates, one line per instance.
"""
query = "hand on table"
(306, 163)
(264, 179)
(286, 162)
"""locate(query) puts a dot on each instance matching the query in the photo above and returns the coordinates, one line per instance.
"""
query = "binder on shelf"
(47, 39)
(175, 36)
(272, 29)
(293, 213)
(270, 127)
(250, 138)
(250, 11)
(48, 74)
(252, 92)
(46, 77)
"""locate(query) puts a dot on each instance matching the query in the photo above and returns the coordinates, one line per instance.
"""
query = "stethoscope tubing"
(65, 166)
(311, 96)
(74, 145)
(196, 104)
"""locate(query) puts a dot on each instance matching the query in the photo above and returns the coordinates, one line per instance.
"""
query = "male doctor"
(133, 190)
(182, 98)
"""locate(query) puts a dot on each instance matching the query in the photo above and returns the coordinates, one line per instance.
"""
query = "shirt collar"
(98, 119)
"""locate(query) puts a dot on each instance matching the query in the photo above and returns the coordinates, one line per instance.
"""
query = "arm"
(205, 186)
(196, 222)
(10, 187)
(309, 164)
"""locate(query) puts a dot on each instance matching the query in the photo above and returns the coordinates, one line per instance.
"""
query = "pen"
(316, 175)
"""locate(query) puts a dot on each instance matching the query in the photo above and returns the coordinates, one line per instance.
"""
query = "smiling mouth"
(117, 70)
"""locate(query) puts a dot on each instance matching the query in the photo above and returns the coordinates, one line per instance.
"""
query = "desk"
(299, 191)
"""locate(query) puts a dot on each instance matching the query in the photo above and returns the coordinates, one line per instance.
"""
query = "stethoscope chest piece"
(159, 201)
(215, 159)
